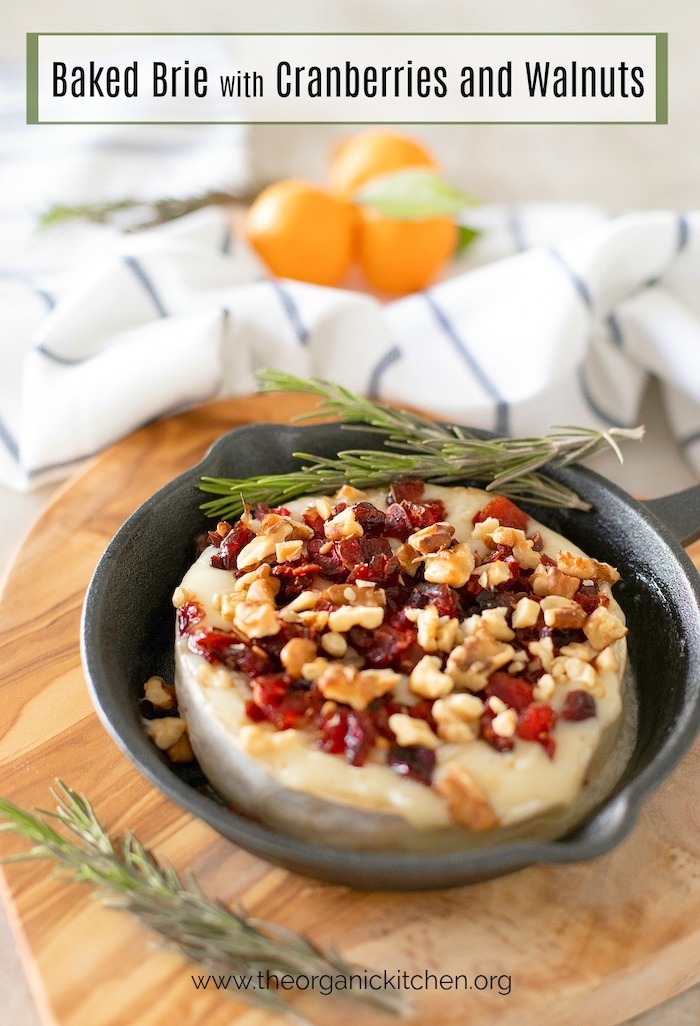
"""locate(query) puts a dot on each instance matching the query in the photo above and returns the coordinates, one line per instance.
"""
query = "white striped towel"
(558, 315)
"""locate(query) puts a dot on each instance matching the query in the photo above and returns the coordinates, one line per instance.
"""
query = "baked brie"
(427, 667)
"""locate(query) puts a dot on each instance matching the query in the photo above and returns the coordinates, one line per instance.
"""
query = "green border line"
(662, 78)
(661, 69)
(32, 78)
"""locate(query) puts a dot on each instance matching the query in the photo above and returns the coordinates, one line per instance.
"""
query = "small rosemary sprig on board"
(417, 446)
(127, 876)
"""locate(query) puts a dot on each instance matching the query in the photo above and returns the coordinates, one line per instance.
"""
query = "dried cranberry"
(369, 517)
(218, 646)
(349, 733)
(330, 563)
(351, 553)
(410, 488)
(313, 519)
(444, 598)
(488, 734)
(281, 511)
(416, 762)
(579, 705)
(300, 568)
(424, 514)
(536, 724)
(514, 691)
(505, 511)
(388, 646)
(397, 523)
(237, 538)
(280, 703)
(381, 569)
(589, 598)
(188, 615)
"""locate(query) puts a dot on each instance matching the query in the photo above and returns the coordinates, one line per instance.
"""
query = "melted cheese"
(283, 779)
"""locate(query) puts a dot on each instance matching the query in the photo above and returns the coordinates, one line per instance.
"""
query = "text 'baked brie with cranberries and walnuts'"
(366, 668)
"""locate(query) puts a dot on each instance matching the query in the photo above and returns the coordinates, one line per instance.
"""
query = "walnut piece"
(256, 620)
(428, 680)
(472, 662)
(433, 538)
(602, 628)
(411, 731)
(549, 580)
(159, 694)
(451, 566)
(343, 525)
(343, 619)
(457, 717)
(296, 654)
(357, 689)
(525, 614)
(165, 731)
(466, 801)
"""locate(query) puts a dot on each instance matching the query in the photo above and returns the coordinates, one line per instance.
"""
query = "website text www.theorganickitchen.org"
(328, 984)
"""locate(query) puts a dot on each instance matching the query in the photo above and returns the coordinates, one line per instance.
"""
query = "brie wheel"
(283, 779)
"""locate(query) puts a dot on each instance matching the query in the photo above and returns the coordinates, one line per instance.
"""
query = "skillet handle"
(680, 512)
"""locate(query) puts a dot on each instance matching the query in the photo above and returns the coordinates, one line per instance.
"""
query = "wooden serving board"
(596, 942)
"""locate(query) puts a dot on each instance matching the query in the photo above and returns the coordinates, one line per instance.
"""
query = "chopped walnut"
(544, 688)
(349, 494)
(181, 751)
(433, 538)
(409, 559)
(494, 621)
(428, 680)
(296, 654)
(525, 614)
(166, 731)
(496, 704)
(300, 531)
(578, 650)
(343, 525)
(357, 689)
(576, 671)
(261, 547)
(306, 600)
(544, 651)
(586, 569)
(159, 694)
(505, 722)
(602, 628)
(549, 580)
(276, 526)
(411, 731)
(362, 593)
(522, 546)
(472, 662)
(263, 590)
(355, 616)
(457, 717)
(256, 620)
(181, 596)
(313, 670)
(210, 675)
(483, 531)
(435, 632)
(334, 644)
(565, 618)
(288, 551)
(467, 802)
(262, 572)
(493, 574)
(450, 566)
(323, 508)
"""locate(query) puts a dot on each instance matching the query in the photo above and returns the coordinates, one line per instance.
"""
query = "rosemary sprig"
(414, 445)
(146, 213)
(221, 941)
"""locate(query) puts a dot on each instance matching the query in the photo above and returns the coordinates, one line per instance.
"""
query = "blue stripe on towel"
(382, 365)
(292, 312)
(502, 412)
(575, 279)
(592, 403)
(616, 336)
(66, 361)
(9, 441)
(227, 241)
(146, 282)
(516, 229)
(683, 233)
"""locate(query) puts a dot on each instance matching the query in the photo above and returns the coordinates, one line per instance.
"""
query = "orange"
(301, 232)
(403, 256)
(373, 153)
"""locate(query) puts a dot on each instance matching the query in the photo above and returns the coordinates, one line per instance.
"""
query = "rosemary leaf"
(129, 877)
(414, 445)
(144, 213)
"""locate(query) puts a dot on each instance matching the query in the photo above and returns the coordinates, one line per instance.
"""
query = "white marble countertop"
(652, 469)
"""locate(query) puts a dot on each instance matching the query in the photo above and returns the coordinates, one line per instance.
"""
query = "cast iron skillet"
(127, 635)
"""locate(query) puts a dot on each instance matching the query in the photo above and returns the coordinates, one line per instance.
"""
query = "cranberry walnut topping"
(388, 634)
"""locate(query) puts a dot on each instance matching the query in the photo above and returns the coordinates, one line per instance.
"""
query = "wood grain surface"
(596, 942)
